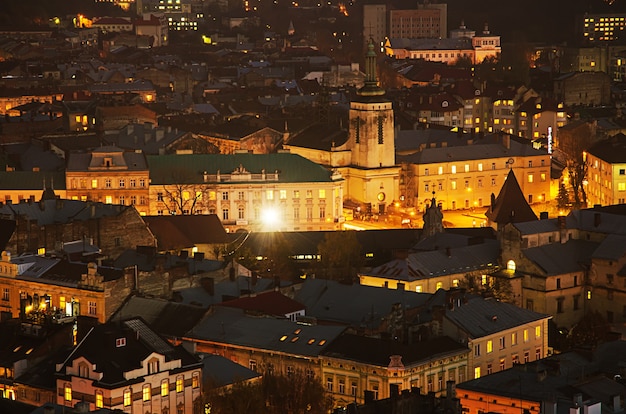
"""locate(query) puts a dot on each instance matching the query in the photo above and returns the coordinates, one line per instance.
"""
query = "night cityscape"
(307, 206)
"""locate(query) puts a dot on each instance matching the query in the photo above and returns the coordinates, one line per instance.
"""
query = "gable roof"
(510, 206)
(378, 351)
(423, 265)
(165, 317)
(185, 231)
(101, 347)
(234, 326)
(611, 150)
(481, 317)
(61, 210)
(561, 258)
(356, 305)
(268, 303)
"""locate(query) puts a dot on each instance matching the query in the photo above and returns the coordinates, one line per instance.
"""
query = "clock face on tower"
(381, 196)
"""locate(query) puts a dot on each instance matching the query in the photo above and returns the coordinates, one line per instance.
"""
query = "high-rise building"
(427, 21)
(606, 27)
(375, 22)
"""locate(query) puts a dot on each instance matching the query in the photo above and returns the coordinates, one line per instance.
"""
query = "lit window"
(538, 331)
(418, 288)
(165, 388)
(510, 265)
(525, 335)
(94, 183)
(514, 338)
(453, 169)
(476, 372)
(146, 392)
(322, 193)
(195, 380)
(179, 384)
(99, 399)
(439, 285)
(530, 178)
(489, 346)
(68, 392)
(283, 194)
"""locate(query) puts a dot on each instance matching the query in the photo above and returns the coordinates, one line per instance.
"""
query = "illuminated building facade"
(109, 175)
(113, 25)
(248, 191)
(353, 365)
(34, 291)
(514, 335)
(465, 172)
(603, 27)
(160, 378)
(606, 171)
(180, 14)
(539, 117)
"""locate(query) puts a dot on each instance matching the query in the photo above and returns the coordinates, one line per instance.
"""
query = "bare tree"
(184, 195)
(574, 143)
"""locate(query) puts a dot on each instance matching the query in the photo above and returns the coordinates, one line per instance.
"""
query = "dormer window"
(444, 104)
(120, 342)
(153, 366)
(83, 370)
(107, 162)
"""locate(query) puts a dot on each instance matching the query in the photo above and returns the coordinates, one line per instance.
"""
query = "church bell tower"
(371, 121)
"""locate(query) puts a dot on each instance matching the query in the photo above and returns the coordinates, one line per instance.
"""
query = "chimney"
(450, 391)
(597, 219)
(160, 133)
(549, 407)
(543, 215)
(448, 251)
(578, 399)
(506, 141)
(208, 284)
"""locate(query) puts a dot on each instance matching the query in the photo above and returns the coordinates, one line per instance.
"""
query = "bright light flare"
(270, 217)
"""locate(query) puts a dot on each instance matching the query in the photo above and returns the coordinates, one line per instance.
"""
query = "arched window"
(510, 265)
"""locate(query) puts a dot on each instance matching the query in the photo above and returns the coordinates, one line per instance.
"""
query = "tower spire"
(371, 87)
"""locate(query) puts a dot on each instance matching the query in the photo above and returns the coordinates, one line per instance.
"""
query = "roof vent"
(494, 318)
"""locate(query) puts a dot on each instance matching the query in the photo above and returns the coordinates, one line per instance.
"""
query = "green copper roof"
(31, 180)
(190, 168)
